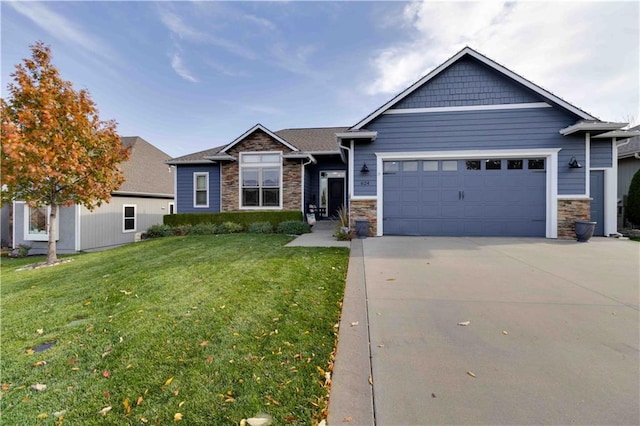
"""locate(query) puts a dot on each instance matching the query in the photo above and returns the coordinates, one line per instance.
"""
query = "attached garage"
(465, 197)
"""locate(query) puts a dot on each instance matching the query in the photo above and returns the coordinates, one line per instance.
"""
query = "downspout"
(349, 177)
(302, 201)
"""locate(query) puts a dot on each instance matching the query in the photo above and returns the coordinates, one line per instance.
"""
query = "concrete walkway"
(321, 236)
(553, 334)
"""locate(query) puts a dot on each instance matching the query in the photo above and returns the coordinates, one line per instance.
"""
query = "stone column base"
(364, 210)
(568, 212)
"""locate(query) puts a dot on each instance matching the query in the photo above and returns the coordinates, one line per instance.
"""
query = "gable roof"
(253, 129)
(320, 140)
(313, 140)
(467, 51)
(146, 172)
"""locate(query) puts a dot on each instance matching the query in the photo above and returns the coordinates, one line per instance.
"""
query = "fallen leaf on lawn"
(42, 416)
(30, 352)
(58, 414)
(204, 343)
(75, 369)
(169, 380)
(139, 401)
(176, 392)
(261, 419)
(40, 330)
(289, 419)
(143, 420)
(72, 361)
(181, 404)
(107, 394)
(505, 332)
(320, 370)
(464, 323)
(125, 292)
(87, 303)
(347, 419)
(353, 324)
(5, 387)
(127, 407)
(209, 360)
(26, 399)
(106, 374)
(323, 422)
(38, 387)
(40, 363)
(471, 374)
(273, 401)
(105, 410)
(177, 417)
(128, 366)
(229, 399)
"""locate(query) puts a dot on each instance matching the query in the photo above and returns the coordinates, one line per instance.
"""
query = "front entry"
(596, 187)
(335, 197)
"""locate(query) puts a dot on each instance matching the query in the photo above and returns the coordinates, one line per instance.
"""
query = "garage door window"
(514, 164)
(450, 166)
(536, 164)
(391, 166)
(429, 166)
(409, 166)
(493, 164)
(473, 164)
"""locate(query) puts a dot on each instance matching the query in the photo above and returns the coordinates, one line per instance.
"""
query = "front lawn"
(209, 330)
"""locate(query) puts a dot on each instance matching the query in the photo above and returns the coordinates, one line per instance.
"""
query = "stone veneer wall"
(568, 212)
(364, 210)
(230, 174)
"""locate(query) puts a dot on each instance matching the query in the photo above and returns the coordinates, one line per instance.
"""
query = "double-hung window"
(129, 218)
(36, 223)
(260, 180)
(201, 190)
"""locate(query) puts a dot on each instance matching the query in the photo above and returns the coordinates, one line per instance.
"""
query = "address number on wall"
(364, 183)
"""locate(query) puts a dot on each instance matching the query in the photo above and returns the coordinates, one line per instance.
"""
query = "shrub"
(342, 234)
(243, 218)
(260, 228)
(157, 231)
(181, 230)
(229, 228)
(21, 251)
(293, 227)
(343, 217)
(633, 200)
(203, 229)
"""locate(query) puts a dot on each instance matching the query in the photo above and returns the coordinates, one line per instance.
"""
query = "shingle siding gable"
(468, 83)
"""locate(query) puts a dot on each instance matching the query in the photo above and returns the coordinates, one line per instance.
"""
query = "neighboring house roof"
(467, 51)
(146, 171)
(321, 140)
(631, 148)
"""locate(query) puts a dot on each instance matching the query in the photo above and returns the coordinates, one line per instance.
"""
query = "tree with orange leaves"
(55, 149)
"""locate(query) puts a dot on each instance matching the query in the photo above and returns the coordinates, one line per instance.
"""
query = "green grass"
(242, 324)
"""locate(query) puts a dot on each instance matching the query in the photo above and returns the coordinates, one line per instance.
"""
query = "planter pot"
(584, 230)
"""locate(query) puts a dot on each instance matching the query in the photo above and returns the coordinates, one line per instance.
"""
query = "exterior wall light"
(573, 163)
(364, 168)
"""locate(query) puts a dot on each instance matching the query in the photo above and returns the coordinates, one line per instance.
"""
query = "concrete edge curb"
(351, 392)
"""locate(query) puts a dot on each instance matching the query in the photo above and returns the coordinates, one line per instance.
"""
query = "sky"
(189, 76)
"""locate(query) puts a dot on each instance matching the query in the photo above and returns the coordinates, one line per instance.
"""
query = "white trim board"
(550, 154)
(468, 108)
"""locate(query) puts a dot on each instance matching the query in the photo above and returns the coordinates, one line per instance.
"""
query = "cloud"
(179, 67)
(226, 71)
(61, 28)
(267, 24)
(177, 26)
(584, 51)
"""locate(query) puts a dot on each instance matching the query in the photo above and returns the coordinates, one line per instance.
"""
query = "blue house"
(470, 149)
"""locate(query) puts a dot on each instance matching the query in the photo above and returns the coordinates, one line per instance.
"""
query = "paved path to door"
(553, 333)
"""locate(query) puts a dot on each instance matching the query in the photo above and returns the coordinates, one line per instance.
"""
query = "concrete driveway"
(553, 333)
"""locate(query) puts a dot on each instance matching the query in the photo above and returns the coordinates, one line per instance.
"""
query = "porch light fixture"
(573, 163)
(364, 168)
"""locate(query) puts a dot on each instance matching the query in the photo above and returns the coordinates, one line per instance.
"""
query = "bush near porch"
(243, 218)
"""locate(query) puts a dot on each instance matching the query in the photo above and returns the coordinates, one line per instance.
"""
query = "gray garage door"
(494, 197)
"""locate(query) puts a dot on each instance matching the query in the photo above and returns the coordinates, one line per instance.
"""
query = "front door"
(597, 200)
(336, 195)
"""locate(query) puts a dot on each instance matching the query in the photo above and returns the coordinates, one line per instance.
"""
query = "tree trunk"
(51, 248)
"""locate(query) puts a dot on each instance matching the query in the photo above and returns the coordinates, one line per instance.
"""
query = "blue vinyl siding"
(600, 154)
(468, 82)
(474, 130)
(330, 163)
(184, 189)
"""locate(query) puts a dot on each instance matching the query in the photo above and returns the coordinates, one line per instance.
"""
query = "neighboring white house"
(142, 200)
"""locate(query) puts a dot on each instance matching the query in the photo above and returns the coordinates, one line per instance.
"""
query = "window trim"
(28, 236)
(124, 218)
(260, 166)
(171, 207)
(195, 190)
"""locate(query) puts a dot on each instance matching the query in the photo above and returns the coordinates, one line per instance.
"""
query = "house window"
(201, 190)
(129, 218)
(172, 208)
(36, 221)
(260, 180)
